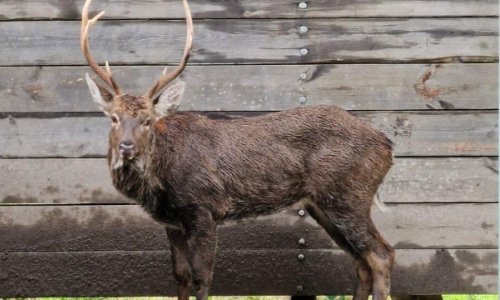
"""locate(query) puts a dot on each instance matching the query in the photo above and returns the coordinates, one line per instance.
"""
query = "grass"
(470, 297)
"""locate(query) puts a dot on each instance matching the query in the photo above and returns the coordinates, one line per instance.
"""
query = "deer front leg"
(180, 261)
(202, 245)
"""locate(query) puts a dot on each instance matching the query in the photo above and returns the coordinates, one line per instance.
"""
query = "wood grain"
(128, 227)
(441, 180)
(50, 9)
(86, 181)
(255, 41)
(268, 87)
(279, 273)
(414, 134)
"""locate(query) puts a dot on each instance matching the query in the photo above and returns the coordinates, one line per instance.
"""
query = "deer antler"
(84, 44)
(168, 77)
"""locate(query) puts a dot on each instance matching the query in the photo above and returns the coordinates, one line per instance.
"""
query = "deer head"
(132, 117)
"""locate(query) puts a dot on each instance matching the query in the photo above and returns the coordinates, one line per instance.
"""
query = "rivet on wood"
(304, 51)
(302, 241)
(301, 257)
(303, 5)
(300, 288)
(303, 76)
(301, 212)
(302, 99)
(303, 29)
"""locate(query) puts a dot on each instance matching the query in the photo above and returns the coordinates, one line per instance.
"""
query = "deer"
(191, 172)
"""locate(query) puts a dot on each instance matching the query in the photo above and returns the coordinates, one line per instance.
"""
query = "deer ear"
(170, 99)
(100, 95)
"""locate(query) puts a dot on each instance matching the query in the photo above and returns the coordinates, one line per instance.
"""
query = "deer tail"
(380, 204)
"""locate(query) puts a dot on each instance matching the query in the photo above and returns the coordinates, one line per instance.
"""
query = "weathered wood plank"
(50, 9)
(84, 181)
(432, 134)
(57, 181)
(128, 228)
(414, 134)
(251, 272)
(441, 180)
(268, 87)
(255, 41)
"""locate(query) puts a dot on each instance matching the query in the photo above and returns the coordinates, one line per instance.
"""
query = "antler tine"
(166, 78)
(84, 44)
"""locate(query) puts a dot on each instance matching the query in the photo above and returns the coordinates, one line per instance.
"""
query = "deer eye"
(114, 118)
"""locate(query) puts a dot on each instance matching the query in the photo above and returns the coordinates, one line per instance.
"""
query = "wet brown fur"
(194, 172)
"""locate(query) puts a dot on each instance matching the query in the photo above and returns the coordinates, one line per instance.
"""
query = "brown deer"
(191, 172)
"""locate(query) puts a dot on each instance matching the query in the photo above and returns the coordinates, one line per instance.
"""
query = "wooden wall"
(424, 72)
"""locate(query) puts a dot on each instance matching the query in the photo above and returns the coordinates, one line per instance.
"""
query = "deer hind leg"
(353, 231)
(363, 287)
(380, 258)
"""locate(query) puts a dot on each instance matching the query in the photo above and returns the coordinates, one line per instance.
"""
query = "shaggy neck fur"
(137, 180)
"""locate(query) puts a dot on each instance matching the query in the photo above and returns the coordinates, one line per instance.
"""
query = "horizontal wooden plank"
(241, 273)
(57, 181)
(255, 41)
(128, 228)
(441, 180)
(50, 9)
(268, 87)
(414, 134)
(79, 181)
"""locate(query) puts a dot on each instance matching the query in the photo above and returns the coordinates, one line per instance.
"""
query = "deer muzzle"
(127, 149)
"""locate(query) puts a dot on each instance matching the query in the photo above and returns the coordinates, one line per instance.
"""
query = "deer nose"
(127, 145)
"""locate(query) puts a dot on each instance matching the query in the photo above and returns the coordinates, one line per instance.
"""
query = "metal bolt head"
(300, 288)
(304, 51)
(302, 241)
(302, 100)
(303, 76)
(302, 5)
(301, 257)
(303, 29)
(301, 212)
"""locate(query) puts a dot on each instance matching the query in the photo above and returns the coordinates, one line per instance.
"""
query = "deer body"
(191, 172)
(280, 159)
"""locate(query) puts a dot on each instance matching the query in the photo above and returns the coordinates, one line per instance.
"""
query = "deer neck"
(136, 178)
(140, 181)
